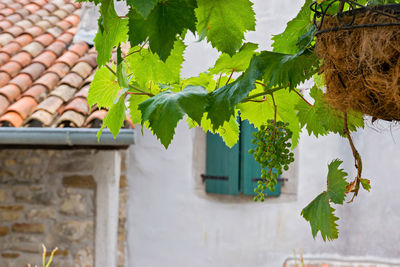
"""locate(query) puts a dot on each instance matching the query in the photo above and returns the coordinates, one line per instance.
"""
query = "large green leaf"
(224, 22)
(115, 118)
(164, 110)
(103, 89)
(148, 68)
(143, 6)
(286, 42)
(321, 217)
(258, 113)
(112, 31)
(237, 63)
(321, 119)
(162, 26)
(336, 182)
(134, 112)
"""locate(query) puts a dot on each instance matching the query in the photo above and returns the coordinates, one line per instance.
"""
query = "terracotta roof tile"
(4, 78)
(4, 57)
(42, 12)
(12, 68)
(83, 69)
(79, 48)
(40, 71)
(6, 11)
(66, 38)
(50, 104)
(25, 24)
(5, 38)
(3, 104)
(61, 69)
(32, 8)
(11, 48)
(72, 79)
(10, 91)
(22, 80)
(78, 104)
(96, 116)
(23, 39)
(57, 47)
(47, 58)
(14, 18)
(23, 12)
(34, 48)
(33, 18)
(64, 92)
(34, 31)
(71, 118)
(37, 91)
(49, 80)
(52, 19)
(24, 106)
(13, 118)
(23, 58)
(42, 116)
(73, 19)
(45, 39)
(90, 59)
(55, 31)
(50, 7)
(15, 31)
(44, 24)
(4, 24)
(69, 8)
(34, 70)
(68, 58)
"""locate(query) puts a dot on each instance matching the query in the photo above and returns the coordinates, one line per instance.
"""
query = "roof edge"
(68, 137)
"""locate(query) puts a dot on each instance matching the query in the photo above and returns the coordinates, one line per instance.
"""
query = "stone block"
(59, 252)
(84, 258)
(10, 162)
(79, 181)
(12, 208)
(123, 182)
(11, 212)
(72, 231)
(41, 213)
(75, 205)
(68, 166)
(31, 228)
(4, 231)
(10, 255)
(3, 195)
(45, 198)
(22, 194)
(27, 248)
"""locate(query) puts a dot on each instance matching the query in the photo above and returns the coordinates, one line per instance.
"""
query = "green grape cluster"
(273, 153)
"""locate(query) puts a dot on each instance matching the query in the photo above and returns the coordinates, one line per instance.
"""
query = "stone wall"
(48, 196)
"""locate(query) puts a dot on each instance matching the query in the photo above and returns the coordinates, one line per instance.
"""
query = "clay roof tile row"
(44, 79)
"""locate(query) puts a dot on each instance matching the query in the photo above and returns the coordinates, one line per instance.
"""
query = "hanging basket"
(360, 50)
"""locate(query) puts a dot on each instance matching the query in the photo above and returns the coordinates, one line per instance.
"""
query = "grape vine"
(147, 77)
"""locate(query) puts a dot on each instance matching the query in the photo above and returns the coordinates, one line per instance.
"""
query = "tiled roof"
(44, 77)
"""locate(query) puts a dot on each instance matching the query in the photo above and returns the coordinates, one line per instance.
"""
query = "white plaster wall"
(172, 223)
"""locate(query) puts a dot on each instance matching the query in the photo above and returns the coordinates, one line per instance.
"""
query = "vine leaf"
(366, 184)
(336, 182)
(287, 42)
(321, 216)
(134, 111)
(114, 118)
(319, 212)
(238, 62)
(224, 22)
(289, 70)
(259, 113)
(143, 6)
(320, 119)
(162, 26)
(103, 89)
(163, 111)
(112, 31)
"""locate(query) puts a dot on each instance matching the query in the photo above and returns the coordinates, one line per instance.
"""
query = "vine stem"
(230, 77)
(356, 155)
(249, 98)
(131, 93)
(302, 97)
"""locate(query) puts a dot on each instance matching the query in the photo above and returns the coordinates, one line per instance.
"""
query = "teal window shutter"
(222, 167)
(250, 170)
